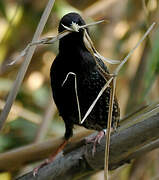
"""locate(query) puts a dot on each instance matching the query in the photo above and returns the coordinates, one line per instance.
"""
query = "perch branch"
(126, 144)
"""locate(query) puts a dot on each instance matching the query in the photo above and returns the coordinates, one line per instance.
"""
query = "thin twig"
(95, 52)
(116, 70)
(76, 92)
(94, 102)
(112, 100)
(51, 40)
(47, 40)
(107, 144)
(90, 48)
(23, 69)
(132, 51)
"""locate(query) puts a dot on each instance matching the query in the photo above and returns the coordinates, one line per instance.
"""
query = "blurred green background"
(33, 117)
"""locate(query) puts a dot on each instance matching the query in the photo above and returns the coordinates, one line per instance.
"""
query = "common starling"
(75, 61)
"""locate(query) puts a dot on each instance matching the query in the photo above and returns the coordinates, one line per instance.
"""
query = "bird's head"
(71, 20)
(75, 38)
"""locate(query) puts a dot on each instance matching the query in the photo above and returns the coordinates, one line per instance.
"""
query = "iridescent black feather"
(74, 57)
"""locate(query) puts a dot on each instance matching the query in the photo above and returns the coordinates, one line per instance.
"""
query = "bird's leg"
(51, 159)
(68, 134)
(60, 148)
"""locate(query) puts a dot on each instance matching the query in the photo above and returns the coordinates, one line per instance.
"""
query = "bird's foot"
(96, 140)
(51, 159)
(47, 161)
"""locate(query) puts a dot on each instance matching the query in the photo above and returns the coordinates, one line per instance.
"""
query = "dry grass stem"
(51, 40)
(89, 44)
(107, 144)
(112, 100)
(78, 104)
(132, 51)
(23, 69)
(47, 40)
(95, 101)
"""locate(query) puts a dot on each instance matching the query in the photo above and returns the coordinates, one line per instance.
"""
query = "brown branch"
(126, 144)
(16, 158)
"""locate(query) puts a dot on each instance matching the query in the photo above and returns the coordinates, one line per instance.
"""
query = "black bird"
(73, 60)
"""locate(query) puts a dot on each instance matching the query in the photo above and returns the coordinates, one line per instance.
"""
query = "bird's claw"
(35, 171)
(96, 140)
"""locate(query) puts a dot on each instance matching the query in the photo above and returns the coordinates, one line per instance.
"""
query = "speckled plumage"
(74, 57)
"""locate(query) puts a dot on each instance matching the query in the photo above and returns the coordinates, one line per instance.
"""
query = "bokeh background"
(34, 117)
